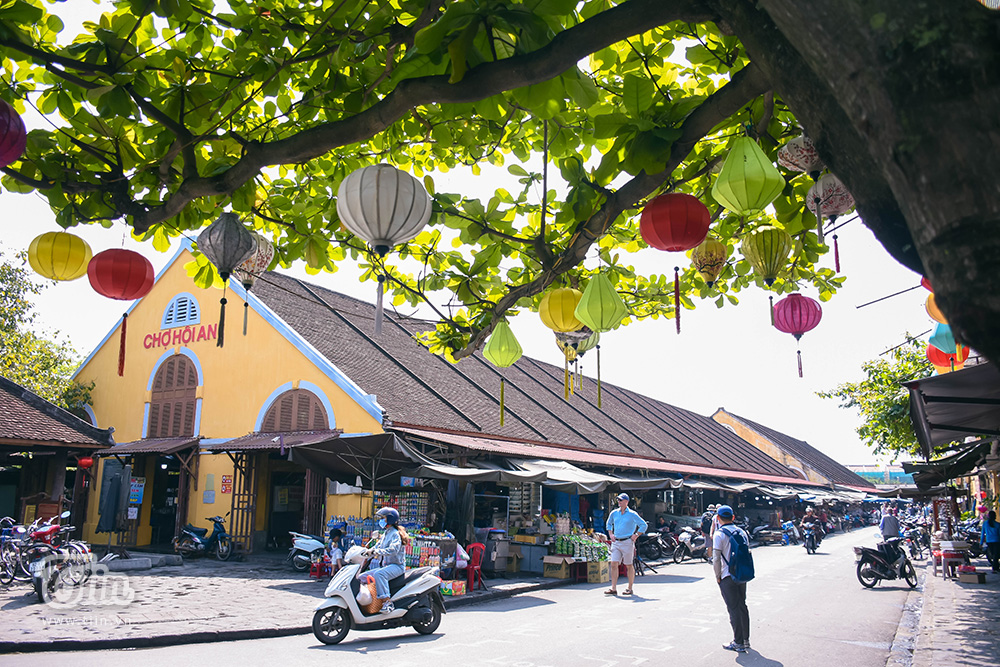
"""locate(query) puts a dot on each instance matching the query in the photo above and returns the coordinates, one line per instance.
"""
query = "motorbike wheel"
(679, 553)
(866, 575)
(910, 574)
(331, 625)
(185, 546)
(430, 626)
(300, 564)
(224, 549)
(649, 551)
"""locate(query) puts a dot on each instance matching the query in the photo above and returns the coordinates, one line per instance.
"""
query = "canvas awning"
(275, 441)
(648, 483)
(959, 464)
(705, 485)
(375, 458)
(947, 408)
(742, 487)
(778, 492)
(566, 477)
(162, 446)
(479, 471)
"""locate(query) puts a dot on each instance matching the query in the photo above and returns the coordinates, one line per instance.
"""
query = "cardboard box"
(514, 563)
(598, 572)
(557, 567)
(972, 577)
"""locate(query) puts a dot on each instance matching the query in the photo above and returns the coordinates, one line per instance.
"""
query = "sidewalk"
(202, 601)
(946, 623)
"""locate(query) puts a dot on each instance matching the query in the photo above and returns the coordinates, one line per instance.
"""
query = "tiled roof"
(27, 418)
(809, 455)
(420, 389)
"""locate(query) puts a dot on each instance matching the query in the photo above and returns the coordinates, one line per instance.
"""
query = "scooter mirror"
(64, 514)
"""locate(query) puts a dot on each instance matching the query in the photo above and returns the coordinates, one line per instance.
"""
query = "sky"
(730, 357)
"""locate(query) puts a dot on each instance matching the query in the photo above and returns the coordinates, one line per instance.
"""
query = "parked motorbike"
(691, 544)
(416, 596)
(874, 564)
(305, 549)
(649, 546)
(789, 533)
(194, 541)
(810, 537)
(913, 536)
(969, 531)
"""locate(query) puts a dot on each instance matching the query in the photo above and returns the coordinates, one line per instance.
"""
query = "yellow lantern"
(59, 256)
(767, 248)
(558, 307)
(709, 259)
(934, 311)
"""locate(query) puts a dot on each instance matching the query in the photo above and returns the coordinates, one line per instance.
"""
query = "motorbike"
(874, 564)
(416, 596)
(913, 536)
(649, 546)
(305, 549)
(810, 537)
(194, 541)
(969, 531)
(691, 544)
(790, 534)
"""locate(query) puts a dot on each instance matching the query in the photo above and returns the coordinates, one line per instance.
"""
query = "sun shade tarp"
(959, 464)
(479, 471)
(948, 408)
(566, 477)
(375, 458)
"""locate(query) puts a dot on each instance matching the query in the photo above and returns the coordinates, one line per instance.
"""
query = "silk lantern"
(708, 259)
(943, 338)
(932, 309)
(558, 307)
(13, 135)
(385, 207)
(252, 267)
(945, 362)
(767, 248)
(800, 154)
(123, 275)
(59, 256)
(926, 284)
(748, 181)
(674, 222)
(502, 350)
(227, 244)
(797, 314)
(600, 309)
(828, 198)
(573, 345)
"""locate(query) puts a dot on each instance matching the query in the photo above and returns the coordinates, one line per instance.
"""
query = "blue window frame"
(181, 311)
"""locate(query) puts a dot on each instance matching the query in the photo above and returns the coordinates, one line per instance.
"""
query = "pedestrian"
(990, 538)
(624, 526)
(733, 593)
(707, 520)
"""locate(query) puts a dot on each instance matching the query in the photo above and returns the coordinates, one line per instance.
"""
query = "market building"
(282, 424)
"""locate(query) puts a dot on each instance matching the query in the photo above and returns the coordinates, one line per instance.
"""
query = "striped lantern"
(797, 314)
(124, 275)
(59, 256)
(767, 248)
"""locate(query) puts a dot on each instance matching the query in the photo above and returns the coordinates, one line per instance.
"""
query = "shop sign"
(227, 484)
(133, 513)
(181, 336)
(135, 490)
(407, 481)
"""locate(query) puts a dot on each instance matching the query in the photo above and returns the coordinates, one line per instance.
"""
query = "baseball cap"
(725, 511)
(622, 496)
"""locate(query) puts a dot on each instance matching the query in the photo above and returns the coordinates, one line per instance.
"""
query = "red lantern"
(945, 360)
(124, 275)
(674, 222)
(84, 462)
(797, 314)
(926, 284)
(13, 136)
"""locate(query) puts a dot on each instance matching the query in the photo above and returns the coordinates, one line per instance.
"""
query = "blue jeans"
(382, 575)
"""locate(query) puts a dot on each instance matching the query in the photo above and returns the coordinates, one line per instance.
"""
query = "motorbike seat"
(196, 530)
(397, 583)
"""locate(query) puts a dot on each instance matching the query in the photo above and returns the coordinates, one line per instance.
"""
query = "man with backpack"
(733, 569)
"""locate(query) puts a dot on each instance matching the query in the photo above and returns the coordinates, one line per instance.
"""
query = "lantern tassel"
(771, 299)
(598, 377)
(501, 400)
(121, 346)
(378, 306)
(566, 378)
(222, 323)
(677, 298)
(799, 354)
(246, 310)
(818, 201)
(836, 254)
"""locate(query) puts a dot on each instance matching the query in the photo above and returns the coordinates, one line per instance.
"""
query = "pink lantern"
(797, 314)
(828, 198)
(13, 135)
(800, 154)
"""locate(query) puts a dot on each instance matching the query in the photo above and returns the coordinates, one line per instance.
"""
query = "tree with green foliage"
(883, 401)
(43, 365)
(163, 113)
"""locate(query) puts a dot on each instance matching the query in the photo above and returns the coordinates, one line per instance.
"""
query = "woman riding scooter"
(388, 557)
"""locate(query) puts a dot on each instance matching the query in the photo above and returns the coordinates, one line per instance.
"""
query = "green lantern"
(767, 248)
(600, 307)
(748, 181)
(502, 350)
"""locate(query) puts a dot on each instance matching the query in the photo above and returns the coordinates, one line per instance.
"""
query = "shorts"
(622, 551)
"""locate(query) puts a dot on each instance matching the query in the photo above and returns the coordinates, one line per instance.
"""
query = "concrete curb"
(237, 635)
(904, 644)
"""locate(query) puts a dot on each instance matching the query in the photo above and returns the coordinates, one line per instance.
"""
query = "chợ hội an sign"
(192, 333)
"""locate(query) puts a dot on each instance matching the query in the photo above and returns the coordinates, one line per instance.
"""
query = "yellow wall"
(768, 447)
(236, 382)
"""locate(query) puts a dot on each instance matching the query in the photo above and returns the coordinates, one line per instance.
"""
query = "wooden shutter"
(295, 410)
(174, 399)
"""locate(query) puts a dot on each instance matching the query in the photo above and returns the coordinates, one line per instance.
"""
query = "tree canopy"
(43, 365)
(164, 113)
(882, 400)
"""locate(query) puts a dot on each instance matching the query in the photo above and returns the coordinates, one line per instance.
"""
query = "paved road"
(805, 611)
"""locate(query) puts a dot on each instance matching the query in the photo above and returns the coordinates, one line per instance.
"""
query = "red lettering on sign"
(188, 335)
(213, 330)
(201, 333)
(177, 337)
(147, 341)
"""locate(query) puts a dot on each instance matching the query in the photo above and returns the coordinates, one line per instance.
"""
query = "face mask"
(381, 523)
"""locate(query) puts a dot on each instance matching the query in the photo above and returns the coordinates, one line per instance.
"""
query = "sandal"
(627, 591)
(611, 591)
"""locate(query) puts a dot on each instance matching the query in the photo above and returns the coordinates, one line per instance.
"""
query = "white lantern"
(252, 267)
(386, 207)
(800, 154)
(828, 198)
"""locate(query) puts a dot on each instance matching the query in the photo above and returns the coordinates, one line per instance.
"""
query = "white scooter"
(305, 549)
(416, 596)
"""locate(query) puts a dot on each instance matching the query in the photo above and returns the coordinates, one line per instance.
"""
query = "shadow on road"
(359, 643)
(755, 659)
(519, 602)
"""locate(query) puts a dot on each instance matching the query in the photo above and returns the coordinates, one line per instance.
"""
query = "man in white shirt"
(734, 593)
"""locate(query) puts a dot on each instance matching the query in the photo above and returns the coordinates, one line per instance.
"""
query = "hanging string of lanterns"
(248, 271)
(124, 275)
(797, 314)
(502, 350)
(385, 207)
(226, 243)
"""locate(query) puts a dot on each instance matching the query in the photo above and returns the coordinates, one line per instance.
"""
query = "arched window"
(295, 410)
(174, 401)
(181, 311)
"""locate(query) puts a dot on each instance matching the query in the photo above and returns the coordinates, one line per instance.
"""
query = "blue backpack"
(740, 559)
